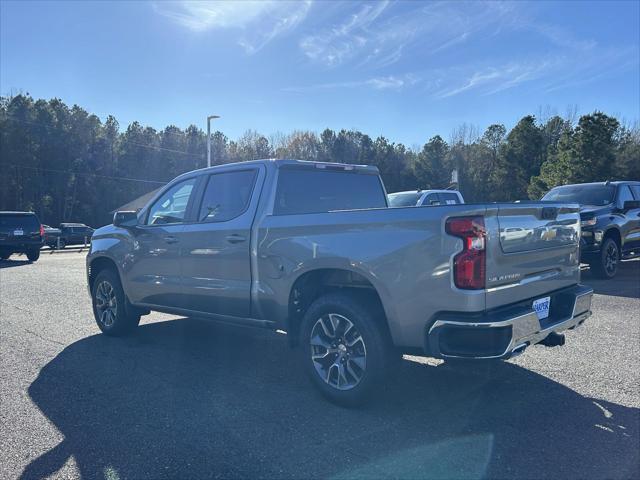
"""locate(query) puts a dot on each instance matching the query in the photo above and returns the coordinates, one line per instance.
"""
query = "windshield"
(404, 199)
(596, 195)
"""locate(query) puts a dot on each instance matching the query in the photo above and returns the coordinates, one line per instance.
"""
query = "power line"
(154, 147)
(81, 174)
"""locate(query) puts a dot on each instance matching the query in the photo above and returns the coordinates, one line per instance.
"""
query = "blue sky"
(405, 70)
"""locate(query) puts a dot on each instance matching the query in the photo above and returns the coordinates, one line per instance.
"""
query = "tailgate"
(532, 249)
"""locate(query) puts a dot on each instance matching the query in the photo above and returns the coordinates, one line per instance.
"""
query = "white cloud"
(378, 34)
(389, 82)
(544, 73)
(342, 41)
(258, 21)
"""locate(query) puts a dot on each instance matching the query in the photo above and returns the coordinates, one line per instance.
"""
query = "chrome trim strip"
(526, 280)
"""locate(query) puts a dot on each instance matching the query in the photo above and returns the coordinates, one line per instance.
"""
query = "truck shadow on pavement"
(192, 399)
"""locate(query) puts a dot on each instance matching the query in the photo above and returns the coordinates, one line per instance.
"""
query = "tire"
(33, 255)
(113, 314)
(606, 265)
(352, 349)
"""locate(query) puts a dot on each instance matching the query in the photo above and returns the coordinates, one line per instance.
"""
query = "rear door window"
(227, 195)
(311, 190)
(636, 191)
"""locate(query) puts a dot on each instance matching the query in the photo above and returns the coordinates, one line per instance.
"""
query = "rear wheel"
(346, 351)
(606, 265)
(33, 255)
(110, 309)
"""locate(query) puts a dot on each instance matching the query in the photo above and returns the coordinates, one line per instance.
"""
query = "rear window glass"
(26, 222)
(450, 198)
(404, 199)
(431, 199)
(317, 191)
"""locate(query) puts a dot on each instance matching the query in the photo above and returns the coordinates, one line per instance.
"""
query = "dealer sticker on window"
(541, 306)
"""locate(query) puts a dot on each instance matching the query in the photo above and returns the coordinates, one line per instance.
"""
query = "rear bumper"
(19, 246)
(507, 331)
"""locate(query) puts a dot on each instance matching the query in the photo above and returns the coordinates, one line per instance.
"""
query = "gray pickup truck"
(314, 250)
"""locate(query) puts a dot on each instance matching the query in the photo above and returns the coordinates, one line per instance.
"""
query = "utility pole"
(209, 118)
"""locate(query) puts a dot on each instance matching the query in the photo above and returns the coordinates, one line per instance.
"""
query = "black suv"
(74, 234)
(610, 219)
(20, 232)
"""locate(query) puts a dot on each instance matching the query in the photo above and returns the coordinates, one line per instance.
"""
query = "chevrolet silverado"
(313, 249)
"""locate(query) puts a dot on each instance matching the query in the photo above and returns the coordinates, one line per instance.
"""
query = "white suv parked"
(416, 198)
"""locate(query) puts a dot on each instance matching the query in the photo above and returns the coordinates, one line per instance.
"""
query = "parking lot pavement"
(187, 398)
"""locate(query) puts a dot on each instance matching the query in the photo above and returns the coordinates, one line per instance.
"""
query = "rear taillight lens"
(41, 231)
(469, 265)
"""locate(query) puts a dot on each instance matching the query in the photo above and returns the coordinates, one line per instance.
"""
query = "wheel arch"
(613, 232)
(99, 264)
(313, 283)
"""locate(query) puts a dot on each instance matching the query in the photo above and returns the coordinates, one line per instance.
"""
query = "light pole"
(209, 118)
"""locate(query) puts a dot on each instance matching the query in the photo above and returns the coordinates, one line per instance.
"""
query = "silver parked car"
(417, 198)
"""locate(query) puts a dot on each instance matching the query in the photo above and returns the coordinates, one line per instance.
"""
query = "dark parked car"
(51, 236)
(610, 220)
(74, 234)
(20, 232)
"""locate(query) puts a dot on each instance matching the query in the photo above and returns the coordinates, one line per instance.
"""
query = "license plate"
(18, 233)
(541, 307)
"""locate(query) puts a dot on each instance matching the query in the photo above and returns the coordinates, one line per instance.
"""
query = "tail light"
(41, 231)
(469, 265)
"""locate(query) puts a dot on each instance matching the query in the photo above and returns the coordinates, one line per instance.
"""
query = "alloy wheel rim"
(338, 351)
(106, 304)
(611, 258)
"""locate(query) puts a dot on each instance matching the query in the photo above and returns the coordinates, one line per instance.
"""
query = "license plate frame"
(18, 232)
(542, 306)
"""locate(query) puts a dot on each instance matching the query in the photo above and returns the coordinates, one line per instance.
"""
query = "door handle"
(170, 239)
(235, 238)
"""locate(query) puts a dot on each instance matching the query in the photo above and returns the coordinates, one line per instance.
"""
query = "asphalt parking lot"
(187, 398)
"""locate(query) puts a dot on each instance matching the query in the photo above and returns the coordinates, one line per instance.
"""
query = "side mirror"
(631, 204)
(125, 219)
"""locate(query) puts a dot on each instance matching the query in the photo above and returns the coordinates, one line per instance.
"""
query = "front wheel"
(346, 351)
(606, 265)
(33, 255)
(110, 305)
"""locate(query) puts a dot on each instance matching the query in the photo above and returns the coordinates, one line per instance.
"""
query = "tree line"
(66, 164)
